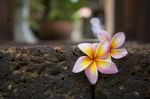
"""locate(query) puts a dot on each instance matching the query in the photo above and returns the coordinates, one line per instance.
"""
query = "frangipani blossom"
(94, 61)
(115, 43)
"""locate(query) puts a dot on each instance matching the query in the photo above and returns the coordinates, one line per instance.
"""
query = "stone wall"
(42, 72)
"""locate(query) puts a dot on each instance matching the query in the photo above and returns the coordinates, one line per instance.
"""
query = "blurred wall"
(133, 17)
(109, 15)
(6, 19)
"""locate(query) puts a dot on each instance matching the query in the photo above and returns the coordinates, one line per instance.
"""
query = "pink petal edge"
(102, 50)
(92, 77)
(119, 53)
(78, 65)
(107, 67)
(118, 39)
(86, 48)
(103, 35)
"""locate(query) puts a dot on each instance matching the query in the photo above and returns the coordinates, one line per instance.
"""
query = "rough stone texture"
(132, 81)
(41, 72)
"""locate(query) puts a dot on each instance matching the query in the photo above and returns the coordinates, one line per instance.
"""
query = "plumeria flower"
(94, 61)
(115, 43)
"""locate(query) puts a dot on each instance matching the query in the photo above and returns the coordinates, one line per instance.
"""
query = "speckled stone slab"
(41, 73)
(132, 81)
(45, 72)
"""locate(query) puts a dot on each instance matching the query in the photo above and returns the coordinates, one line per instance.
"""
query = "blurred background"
(32, 21)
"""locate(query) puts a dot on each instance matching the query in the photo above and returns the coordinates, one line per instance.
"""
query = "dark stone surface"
(132, 81)
(41, 72)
